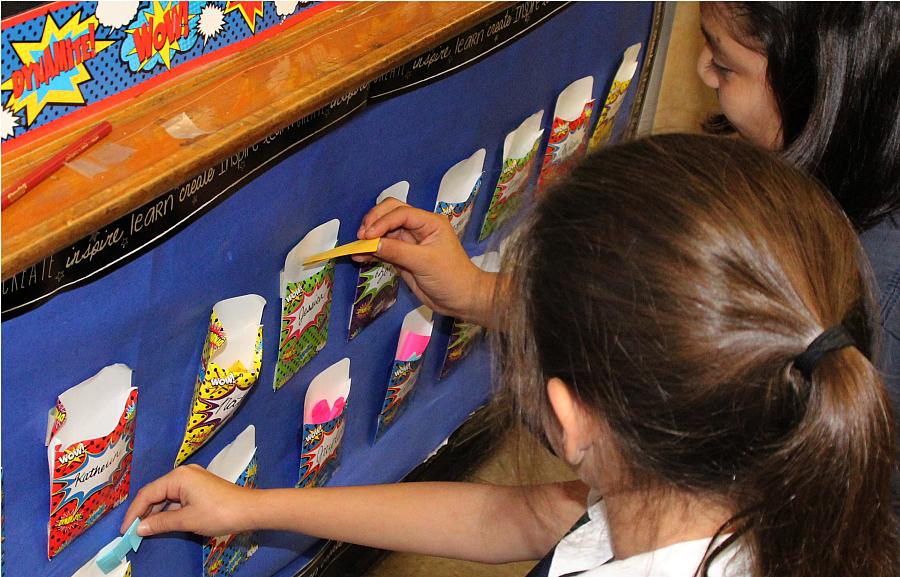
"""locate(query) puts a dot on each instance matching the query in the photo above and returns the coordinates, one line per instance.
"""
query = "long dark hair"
(670, 282)
(834, 69)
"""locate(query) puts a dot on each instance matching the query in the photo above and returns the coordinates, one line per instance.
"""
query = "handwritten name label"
(382, 275)
(329, 445)
(572, 143)
(227, 406)
(95, 474)
(100, 467)
(312, 306)
(314, 303)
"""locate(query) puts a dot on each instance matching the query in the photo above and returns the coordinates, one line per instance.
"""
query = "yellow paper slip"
(355, 247)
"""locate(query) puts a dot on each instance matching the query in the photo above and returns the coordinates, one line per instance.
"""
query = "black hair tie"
(831, 339)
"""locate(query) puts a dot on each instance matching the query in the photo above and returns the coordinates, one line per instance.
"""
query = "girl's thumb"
(400, 253)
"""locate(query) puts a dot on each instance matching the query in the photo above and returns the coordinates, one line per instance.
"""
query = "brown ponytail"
(671, 282)
(830, 478)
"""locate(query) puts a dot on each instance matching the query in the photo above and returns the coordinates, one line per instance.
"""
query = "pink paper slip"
(322, 414)
(412, 344)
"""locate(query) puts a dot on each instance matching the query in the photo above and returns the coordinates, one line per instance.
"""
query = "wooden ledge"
(239, 100)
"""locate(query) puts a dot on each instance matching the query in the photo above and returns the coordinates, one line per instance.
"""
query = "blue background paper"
(153, 313)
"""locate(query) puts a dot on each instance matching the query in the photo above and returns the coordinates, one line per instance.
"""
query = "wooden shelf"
(240, 100)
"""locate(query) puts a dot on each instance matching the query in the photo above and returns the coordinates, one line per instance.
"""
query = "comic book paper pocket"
(415, 333)
(323, 424)
(229, 367)
(376, 289)
(519, 152)
(305, 302)
(458, 189)
(90, 440)
(568, 133)
(616, 96)
(463, 335)
(236, 463)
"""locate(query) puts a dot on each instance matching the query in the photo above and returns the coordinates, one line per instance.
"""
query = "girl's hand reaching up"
(428, 255)
(198, 502)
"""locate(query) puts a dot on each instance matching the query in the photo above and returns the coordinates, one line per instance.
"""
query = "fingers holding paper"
(401, 221)
(429, 256)
(189, 499)
(379, 210)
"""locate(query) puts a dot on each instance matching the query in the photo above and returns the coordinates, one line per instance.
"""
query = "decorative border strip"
(67, 60)
(465, 49)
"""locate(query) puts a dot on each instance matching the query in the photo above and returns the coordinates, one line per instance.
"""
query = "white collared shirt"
(587, 551)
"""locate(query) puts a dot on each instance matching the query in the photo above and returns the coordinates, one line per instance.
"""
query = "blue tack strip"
(114, 553)
(131, 536)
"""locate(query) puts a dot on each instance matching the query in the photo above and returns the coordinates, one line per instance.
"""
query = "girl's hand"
(429, 257)
(197, 500)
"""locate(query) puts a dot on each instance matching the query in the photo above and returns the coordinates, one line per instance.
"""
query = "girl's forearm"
(491, 287)
(485, 523)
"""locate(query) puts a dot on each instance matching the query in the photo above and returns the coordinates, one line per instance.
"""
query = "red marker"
(38, 175)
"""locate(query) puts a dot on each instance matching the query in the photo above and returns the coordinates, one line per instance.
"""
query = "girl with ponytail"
(714, 320)
(684, 322)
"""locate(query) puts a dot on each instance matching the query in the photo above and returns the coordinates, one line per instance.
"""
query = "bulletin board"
(151, 310)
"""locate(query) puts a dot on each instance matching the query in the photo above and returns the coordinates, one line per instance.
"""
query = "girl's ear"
(574, 423)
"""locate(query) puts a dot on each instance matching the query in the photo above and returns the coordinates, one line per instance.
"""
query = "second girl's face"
(738, 75)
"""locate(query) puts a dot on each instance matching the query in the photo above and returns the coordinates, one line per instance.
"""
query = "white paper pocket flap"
(91, 569)
(319, 239)
(520, 141)
(239, 317)
(629, 63)
(418, 322)
(571, 101)
(458, 182)
(488, 262)
(399, 191)
(329, 385)
(51, 420)
(231, 461)
(94, 407)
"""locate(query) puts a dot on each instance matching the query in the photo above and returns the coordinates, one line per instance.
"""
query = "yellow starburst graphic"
(145, 35)
(53, 68)
(249, 10)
